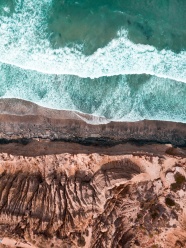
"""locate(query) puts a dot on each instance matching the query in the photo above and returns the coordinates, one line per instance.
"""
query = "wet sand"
(22, 121)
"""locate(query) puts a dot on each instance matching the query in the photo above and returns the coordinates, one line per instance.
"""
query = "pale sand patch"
(14, 243)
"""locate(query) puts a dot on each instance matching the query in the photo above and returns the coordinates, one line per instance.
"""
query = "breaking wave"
(49, 58)
(119, 98)
(24, 42)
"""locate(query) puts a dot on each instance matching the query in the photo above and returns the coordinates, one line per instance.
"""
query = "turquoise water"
(95, 23)
(125, 60)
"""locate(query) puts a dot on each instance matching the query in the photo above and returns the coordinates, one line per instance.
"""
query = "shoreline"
(22, 120)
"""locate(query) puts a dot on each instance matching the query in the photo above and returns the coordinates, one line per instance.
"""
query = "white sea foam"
(24, 43)
(31, 70)
(116, 98)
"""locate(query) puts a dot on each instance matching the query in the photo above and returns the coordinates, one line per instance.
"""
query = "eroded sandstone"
(65, 183)
(93, 200)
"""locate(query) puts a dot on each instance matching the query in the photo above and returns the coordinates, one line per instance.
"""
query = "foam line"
(24, 43)
(117, 98)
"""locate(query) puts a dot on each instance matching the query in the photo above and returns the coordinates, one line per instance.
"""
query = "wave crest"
(24, 43)
(118, 98)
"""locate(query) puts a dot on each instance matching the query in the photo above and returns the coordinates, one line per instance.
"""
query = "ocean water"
(121, 59)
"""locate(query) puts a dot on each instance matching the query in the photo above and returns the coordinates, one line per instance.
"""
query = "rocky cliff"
(66, 183)
(93, 200)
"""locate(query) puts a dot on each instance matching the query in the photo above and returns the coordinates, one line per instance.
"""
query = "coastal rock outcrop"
(93, 200)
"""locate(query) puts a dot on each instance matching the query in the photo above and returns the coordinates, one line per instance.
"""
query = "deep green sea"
(121, 59)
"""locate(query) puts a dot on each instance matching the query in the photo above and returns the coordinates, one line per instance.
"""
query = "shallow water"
(125, 60)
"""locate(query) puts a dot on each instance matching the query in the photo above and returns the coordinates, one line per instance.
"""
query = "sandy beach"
(21, 119)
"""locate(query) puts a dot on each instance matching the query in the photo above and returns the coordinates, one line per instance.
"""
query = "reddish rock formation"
(94, 200)
(66, 184)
